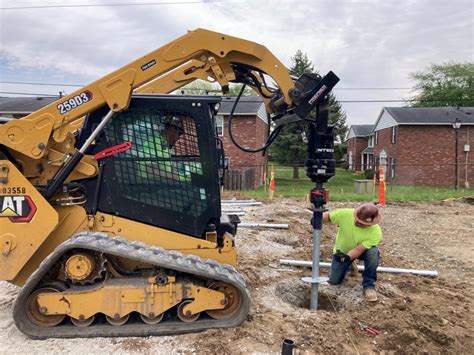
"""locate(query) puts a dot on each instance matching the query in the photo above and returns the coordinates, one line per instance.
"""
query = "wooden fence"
(240, 179)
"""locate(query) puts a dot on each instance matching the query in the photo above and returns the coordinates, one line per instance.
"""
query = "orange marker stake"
(272, 183)
(381, 187)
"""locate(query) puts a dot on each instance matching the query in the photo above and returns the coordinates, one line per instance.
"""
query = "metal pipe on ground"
(391, 270)
(234, 200)
(263, 225)
(233, 210)
(242, 203)
(235, 213)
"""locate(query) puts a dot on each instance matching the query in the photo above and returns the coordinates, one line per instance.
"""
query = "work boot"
(370, 295)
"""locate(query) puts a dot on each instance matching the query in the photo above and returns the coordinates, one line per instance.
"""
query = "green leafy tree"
(290, 148)
(448, 84)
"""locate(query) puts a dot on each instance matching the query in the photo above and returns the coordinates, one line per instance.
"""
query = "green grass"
(341, 188)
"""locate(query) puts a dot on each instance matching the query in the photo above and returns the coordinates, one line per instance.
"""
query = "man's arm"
(356, 252)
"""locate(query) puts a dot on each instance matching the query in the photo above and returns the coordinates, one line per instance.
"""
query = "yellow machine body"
(79, 264)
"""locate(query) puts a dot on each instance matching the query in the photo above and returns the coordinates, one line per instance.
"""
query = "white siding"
(262, 113)
(351, 134)
(386, 120)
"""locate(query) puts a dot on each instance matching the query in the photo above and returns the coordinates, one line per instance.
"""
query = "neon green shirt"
(349, 235)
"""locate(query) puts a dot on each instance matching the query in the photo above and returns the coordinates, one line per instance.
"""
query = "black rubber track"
(101, 242)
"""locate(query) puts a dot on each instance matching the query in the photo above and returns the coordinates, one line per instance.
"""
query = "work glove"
(342, 257)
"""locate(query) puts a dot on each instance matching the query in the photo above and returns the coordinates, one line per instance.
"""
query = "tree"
(448, 84)
(289, 147)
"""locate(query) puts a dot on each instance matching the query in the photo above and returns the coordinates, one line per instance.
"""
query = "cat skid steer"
(110, 213)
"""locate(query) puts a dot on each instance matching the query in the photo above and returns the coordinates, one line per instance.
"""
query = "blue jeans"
(369, 276)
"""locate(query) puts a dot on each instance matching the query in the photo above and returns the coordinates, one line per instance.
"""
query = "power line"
(40, 84)
(257, 101)
(28, 93)
(197, 89)
(114, 5)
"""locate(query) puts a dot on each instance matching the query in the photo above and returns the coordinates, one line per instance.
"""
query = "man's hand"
(342, 257)
(326, 217)
(356, 252)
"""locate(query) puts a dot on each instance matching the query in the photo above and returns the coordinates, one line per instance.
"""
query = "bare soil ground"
(414, 314)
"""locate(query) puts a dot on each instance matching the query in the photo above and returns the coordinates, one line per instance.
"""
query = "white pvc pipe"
(391, 270)
(263, 225)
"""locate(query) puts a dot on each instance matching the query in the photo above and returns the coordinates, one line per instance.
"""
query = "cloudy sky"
(368, 44)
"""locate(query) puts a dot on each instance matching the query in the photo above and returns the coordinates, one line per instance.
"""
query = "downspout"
(466, 181)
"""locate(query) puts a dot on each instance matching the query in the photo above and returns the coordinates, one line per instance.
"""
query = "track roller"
(152, 319)
(82, 323)
(116, 321)
(184, 317)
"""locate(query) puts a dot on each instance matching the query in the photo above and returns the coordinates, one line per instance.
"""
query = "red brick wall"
(248, 131)
(425, 155)
(355, 146)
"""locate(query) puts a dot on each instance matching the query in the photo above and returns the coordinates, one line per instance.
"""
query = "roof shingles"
(431, 115)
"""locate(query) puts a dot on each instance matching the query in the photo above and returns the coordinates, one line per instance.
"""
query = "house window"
(376, 137)
(220, 125)
(227, 163)
(394, 134)
(392, 168)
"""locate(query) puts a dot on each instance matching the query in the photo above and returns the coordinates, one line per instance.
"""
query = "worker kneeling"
(357, 238)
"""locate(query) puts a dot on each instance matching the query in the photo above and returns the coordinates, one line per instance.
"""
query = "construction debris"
(391, 270)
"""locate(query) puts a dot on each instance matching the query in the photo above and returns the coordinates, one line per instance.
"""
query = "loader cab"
(169, 178)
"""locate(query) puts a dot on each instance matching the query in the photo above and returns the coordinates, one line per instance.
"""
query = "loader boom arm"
(200, 54)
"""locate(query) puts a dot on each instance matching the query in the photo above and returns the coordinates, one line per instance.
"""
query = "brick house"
(16, 107)
(249, 128)
(417, 145)
(359, 147)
